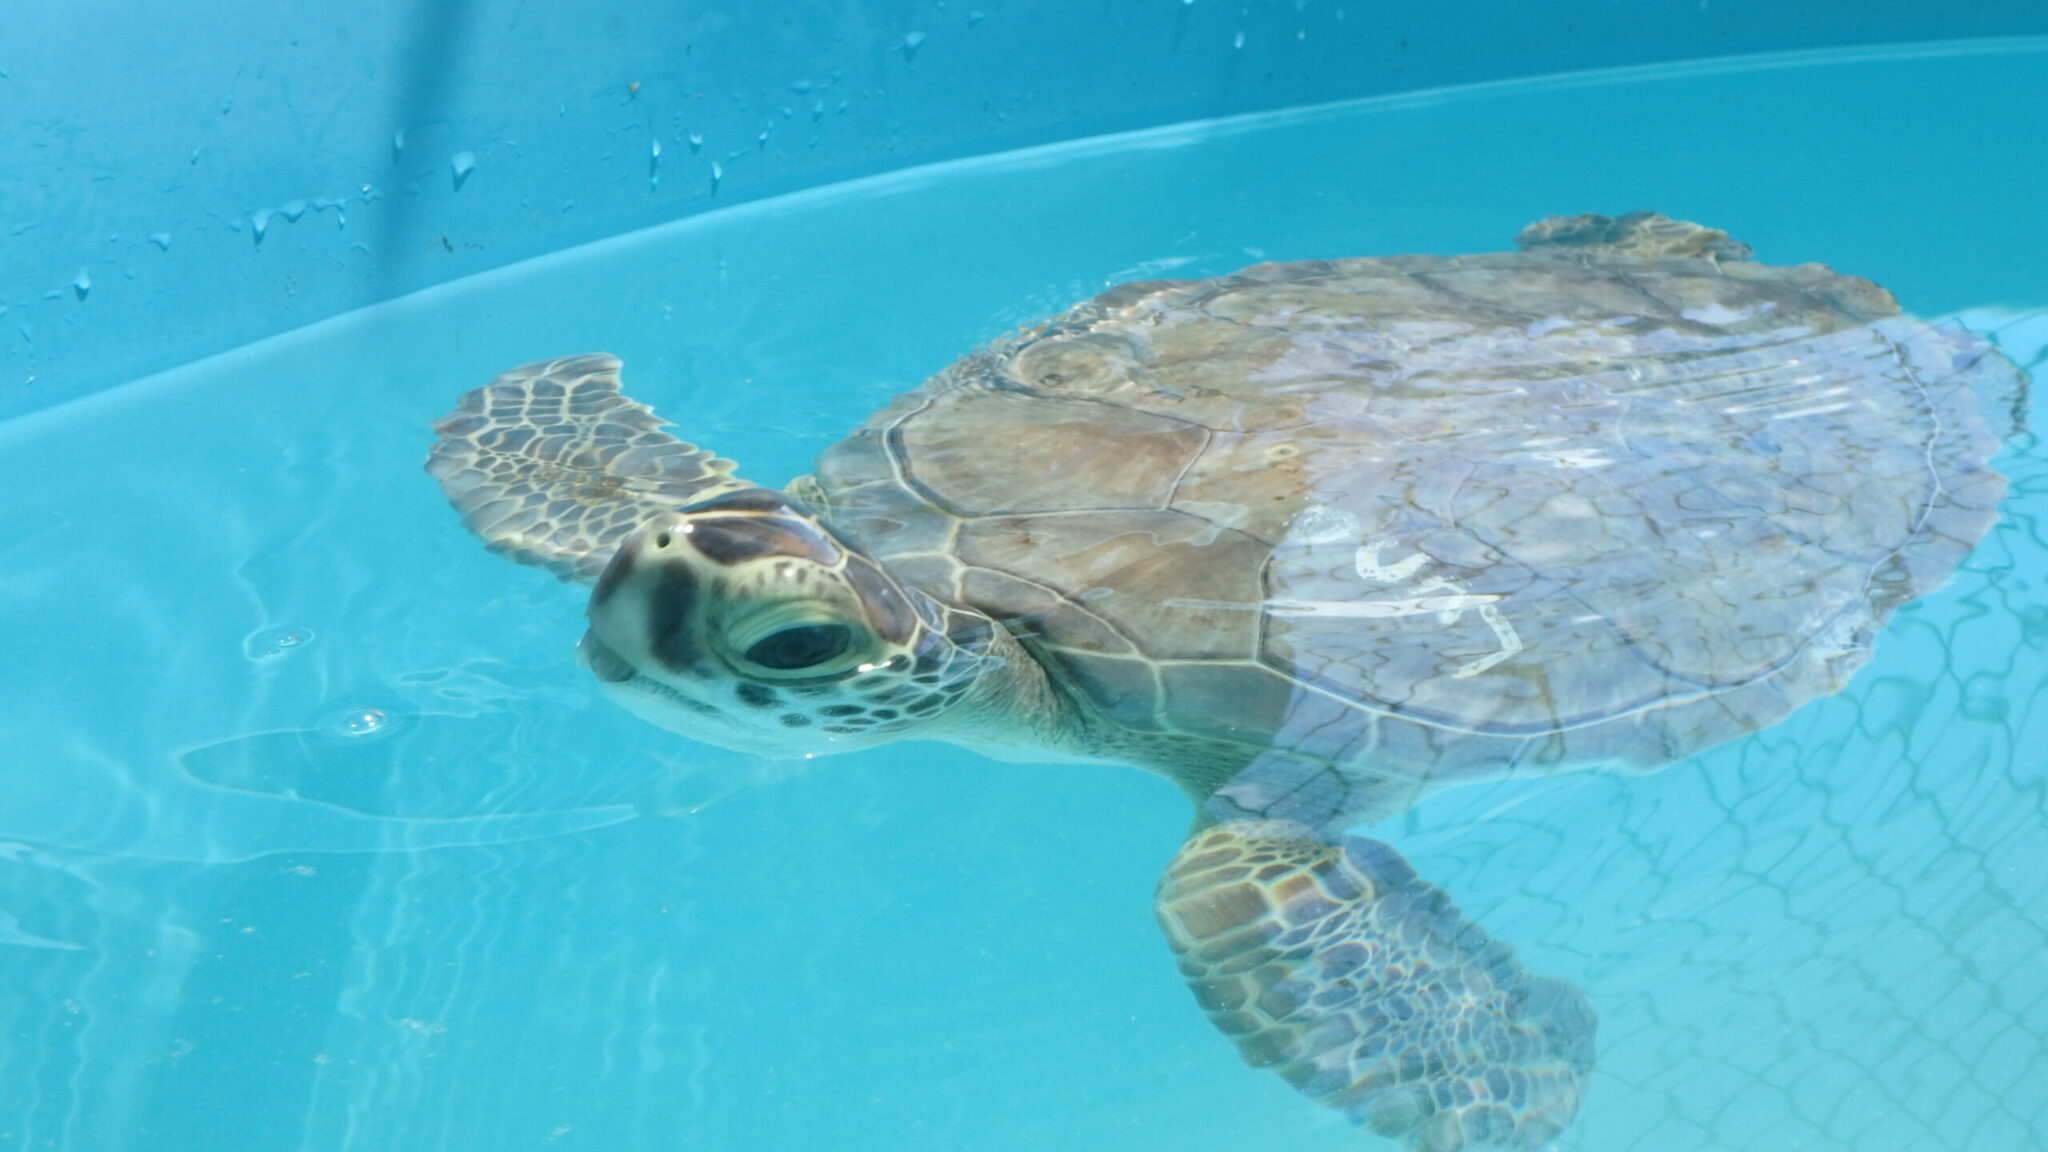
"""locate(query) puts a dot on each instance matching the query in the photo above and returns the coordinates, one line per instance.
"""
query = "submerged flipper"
(552, 466)
(1363, 987)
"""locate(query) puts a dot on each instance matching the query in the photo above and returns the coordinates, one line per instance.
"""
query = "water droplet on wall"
(259, 223)
(912, 41)
(162, 240)
(696, 141)
(83, 284)
(291, 210)
(398, 142)
(461, 165)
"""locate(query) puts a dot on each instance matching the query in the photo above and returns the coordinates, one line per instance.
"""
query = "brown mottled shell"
(1426, 518)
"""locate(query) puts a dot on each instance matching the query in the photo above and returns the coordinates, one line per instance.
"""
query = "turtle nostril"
(661, 540)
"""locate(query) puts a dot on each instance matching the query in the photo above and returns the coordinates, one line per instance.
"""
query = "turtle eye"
(803, 646)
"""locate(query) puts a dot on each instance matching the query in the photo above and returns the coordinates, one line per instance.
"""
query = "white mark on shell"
(1448, 608)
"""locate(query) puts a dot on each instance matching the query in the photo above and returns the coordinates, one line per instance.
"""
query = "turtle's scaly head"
(743, 621)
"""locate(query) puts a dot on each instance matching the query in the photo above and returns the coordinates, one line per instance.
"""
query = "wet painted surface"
(294, 163)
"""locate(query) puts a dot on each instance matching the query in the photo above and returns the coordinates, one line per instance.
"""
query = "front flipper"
(553, 466)
(1338, 968)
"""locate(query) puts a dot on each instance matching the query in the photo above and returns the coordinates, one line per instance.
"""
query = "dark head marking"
(732, 539)
(668, 618)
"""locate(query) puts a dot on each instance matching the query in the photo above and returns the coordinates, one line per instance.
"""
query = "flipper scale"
(1364, 987)
(551, 465)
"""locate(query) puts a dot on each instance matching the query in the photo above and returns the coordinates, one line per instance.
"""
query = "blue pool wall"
(182, 179)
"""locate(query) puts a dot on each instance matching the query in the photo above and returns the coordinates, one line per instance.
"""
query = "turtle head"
(744, 621)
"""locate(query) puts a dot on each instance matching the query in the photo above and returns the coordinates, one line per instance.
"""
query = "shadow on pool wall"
(179, 182)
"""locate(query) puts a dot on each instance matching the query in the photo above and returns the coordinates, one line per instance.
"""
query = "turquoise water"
(314, 838)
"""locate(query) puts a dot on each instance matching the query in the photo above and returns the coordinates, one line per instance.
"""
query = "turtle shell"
(1612, 498)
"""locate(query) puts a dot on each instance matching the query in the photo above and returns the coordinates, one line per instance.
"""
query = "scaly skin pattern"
(1364, 988)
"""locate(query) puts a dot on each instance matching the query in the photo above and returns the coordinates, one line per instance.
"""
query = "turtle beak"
(656, 539)
(615, 572)
(598, 658)
(641, 609)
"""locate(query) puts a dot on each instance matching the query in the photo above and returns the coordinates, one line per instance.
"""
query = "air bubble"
(1983, 701)
(270, 643)
(357, 723)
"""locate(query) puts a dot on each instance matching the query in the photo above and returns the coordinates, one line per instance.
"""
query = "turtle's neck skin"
(1022, 709)
(1014, 709)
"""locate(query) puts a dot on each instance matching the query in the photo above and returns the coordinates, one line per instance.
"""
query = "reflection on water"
(509, 916)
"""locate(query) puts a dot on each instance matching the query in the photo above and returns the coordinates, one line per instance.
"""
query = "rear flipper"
(1335, 966)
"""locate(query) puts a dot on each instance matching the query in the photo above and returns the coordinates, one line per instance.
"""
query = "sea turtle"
(1313, 540)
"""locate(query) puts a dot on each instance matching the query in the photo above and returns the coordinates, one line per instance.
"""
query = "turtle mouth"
(603, 663)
